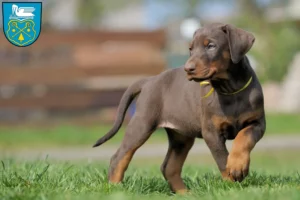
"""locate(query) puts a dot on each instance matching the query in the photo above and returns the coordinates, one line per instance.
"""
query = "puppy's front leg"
(239, 158)
(216, 144)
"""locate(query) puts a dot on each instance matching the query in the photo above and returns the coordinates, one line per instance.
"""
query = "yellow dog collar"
(232, 93)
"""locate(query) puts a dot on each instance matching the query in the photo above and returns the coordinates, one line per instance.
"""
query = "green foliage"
(279, 45)
(89, 12)
(276, 42)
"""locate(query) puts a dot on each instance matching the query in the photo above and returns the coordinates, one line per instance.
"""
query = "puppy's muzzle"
(190, 68)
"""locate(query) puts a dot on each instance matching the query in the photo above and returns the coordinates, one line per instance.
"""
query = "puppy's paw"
(226, 176)
(237, 166)
(182, 192)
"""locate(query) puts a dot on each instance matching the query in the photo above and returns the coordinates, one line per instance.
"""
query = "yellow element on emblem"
(21, 38)
(15, 26)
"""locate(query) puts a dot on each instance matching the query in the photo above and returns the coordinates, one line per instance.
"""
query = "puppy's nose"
(190, 68)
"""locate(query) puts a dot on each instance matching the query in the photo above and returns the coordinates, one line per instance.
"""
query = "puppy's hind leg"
(137, 133)
(179, 146)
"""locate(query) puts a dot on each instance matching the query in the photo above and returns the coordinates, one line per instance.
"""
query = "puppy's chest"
(228, 118)
(227, 126)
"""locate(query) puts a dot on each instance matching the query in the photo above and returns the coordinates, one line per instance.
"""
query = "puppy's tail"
(126, 99)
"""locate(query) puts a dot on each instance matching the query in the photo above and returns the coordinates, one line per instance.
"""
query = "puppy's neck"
(238, 76)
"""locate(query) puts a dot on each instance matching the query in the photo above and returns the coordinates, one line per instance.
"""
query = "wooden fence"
(74, 72)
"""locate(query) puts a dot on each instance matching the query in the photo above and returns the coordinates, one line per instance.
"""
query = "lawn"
(62, 135)
(283, 124)
(274, 176)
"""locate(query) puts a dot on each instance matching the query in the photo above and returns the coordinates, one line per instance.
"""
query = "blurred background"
(65, 88)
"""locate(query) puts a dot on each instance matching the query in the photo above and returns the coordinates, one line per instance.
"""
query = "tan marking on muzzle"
(226, 55)
(215, 64)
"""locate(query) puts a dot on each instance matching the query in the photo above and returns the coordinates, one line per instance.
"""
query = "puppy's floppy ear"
(239, 40)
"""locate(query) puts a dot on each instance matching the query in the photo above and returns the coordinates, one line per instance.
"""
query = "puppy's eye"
(210, 46)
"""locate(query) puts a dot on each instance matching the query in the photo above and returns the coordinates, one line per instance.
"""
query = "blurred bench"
(74, 73)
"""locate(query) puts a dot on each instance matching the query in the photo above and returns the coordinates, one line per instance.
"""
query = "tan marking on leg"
(182, 191)
(118, 173)
(239, 158)
(226, 176)
(244, 141)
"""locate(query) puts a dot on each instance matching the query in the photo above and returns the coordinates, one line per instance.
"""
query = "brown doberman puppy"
(222, 101)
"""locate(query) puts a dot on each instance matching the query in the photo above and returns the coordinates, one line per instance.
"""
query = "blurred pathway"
(147, 151)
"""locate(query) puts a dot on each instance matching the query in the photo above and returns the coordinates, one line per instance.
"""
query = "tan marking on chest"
(249, 117)
(222, 122)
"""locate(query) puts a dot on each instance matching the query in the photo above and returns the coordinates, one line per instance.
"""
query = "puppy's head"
(214, 48)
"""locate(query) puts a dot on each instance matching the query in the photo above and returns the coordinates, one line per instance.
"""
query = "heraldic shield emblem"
(22, 22)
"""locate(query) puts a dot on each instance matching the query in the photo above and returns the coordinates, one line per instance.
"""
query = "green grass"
(62, 135)
(275, 178)
(283, 124)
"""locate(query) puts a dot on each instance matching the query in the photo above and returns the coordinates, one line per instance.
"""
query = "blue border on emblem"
(40, 22)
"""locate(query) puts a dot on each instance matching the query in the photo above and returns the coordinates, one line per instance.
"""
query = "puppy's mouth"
(199, 79)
